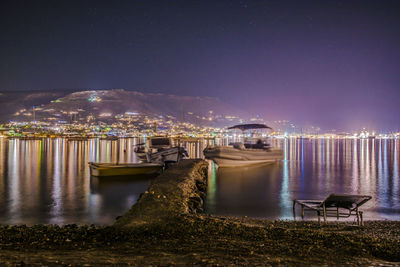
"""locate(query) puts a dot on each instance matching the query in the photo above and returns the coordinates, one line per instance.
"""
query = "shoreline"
(167, 226)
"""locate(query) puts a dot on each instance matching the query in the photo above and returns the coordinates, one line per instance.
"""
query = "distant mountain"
(19, 106)
(12, 102)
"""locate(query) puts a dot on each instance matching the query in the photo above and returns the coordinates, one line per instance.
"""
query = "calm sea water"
(312, 169)
(48, 181)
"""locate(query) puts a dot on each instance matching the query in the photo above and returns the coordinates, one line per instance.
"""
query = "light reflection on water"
(47, 181)
(311, 169)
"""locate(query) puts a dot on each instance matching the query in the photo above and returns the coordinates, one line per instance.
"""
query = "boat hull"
(227, 163)
(233, 157)
(109, 169)
(168, 155)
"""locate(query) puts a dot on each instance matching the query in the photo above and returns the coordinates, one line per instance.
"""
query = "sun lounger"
(335, 205)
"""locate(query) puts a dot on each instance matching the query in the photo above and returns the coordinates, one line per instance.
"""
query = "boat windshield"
(253, 126)
(251, 135)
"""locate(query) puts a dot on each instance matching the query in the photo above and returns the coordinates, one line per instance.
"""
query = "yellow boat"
(113, 169)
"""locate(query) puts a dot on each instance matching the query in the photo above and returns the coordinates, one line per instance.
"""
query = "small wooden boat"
(119, 169)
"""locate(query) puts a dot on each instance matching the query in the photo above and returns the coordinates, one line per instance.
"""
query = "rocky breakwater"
(178, 191)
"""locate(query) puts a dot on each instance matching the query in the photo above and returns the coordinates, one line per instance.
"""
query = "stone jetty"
(178, 191)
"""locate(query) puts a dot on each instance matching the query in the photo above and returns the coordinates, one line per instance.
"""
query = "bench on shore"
(335, 205)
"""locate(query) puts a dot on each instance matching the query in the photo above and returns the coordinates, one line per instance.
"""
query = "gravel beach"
(204, 239)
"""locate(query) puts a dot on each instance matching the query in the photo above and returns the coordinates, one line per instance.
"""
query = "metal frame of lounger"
(335, 205)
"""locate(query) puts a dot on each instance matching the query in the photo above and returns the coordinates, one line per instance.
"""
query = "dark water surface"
(48, 181)
(312, 169)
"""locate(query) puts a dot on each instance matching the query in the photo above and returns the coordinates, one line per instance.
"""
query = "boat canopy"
(244, 127)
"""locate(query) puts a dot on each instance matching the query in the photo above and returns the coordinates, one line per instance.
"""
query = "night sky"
(333, 64)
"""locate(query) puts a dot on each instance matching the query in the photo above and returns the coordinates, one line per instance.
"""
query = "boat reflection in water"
(117, 193)
(241, 191)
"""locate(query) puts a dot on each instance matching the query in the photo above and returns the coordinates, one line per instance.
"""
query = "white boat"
(169, 155)
(160, 150)
(244, 154)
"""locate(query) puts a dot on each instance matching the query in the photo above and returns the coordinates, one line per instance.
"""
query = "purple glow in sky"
(334, 64)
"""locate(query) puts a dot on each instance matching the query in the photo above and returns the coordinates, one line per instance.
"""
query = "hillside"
(102, 104)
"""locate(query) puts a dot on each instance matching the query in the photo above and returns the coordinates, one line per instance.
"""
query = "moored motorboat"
(124, 169)
(244, 154)
(169, 155)
(232, 156)
(160, 150)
